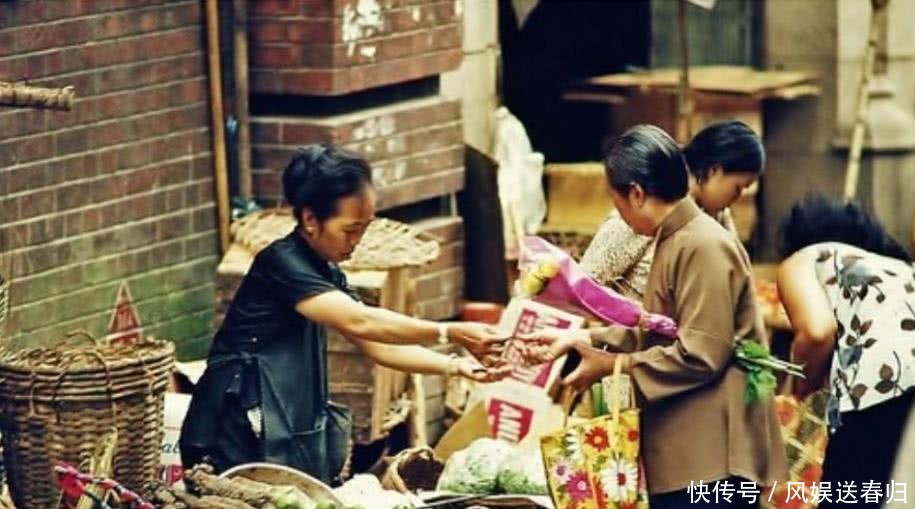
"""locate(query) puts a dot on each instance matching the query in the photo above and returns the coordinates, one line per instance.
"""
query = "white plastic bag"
(520, 181)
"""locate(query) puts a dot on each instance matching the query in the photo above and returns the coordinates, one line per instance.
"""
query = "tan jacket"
(695, 423)
(620, 258)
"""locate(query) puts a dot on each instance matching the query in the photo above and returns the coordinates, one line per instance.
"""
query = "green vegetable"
(523, 473)
(598, 400)
(754, 358)
(474, 470)
(290, 497)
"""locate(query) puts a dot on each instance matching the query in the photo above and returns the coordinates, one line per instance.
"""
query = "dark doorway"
(560, 42)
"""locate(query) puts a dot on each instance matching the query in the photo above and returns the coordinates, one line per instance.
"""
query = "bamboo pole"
(913, 233)
(219, 134)
(853, 167)
(241, 98)
(684, 99)
(25, 96)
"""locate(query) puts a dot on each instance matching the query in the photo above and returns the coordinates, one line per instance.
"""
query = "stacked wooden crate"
(578, 202)
(362, 74)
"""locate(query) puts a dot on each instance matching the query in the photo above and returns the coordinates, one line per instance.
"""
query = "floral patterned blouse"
(873, 299)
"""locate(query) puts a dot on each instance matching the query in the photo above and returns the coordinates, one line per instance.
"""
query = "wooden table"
(718, 92)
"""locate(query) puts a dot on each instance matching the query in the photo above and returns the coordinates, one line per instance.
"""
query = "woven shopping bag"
(597, 464)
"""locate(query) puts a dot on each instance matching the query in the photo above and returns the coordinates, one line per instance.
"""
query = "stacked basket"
(56, 403)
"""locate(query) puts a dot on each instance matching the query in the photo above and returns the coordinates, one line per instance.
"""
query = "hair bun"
(302, 168)
(313, 151)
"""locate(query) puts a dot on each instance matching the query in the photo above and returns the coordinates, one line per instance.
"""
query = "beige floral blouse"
(620, 258)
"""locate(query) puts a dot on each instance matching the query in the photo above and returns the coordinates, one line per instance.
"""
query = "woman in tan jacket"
(696, 425)
(723, 159)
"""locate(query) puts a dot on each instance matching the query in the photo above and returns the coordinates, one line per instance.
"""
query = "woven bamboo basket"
(803, 425)
(573, 241)
(4, 312)
(412, 470)
(386, 243)
(58, 402)
(390, 244)
(258, 229)
(4, 303)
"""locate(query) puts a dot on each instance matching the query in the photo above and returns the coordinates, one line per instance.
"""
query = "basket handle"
(615, 387)
(63, 375)
(75, 335)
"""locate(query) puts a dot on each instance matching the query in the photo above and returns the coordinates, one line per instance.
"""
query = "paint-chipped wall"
(474, 82)
(333, 47)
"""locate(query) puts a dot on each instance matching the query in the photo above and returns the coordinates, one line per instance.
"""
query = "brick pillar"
(364, 58)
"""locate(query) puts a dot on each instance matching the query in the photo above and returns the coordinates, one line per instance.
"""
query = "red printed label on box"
(516, 402)
(509, 422)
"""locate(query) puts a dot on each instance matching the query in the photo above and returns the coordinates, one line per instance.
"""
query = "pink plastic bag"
(572, 287)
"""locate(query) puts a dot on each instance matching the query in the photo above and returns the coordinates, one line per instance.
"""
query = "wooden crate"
(577, 196)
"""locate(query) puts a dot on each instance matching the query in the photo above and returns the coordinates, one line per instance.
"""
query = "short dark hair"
(321, 174)
(647, 156)
(731, 145)
(817, 219)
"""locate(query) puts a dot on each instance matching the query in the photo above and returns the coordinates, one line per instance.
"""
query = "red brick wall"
(332, 47)
(119, 188)
(415, 148)
(440, 284)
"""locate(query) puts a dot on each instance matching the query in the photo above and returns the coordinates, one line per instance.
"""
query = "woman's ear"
(309, 221)
(637, 196)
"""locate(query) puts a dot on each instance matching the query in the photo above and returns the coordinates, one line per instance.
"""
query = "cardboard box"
(171, 471)
(577, 197)
(520, 405)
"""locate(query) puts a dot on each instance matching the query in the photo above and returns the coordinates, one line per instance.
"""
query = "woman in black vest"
(264, 395)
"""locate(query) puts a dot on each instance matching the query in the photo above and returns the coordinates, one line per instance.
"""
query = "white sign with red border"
(515, 404)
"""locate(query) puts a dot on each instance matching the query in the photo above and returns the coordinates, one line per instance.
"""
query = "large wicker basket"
(56, 403)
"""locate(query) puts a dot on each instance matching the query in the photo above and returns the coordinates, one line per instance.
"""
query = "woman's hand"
(595, 364)
(802, 388)
(482, 341)
(472, 370)
(545, 345)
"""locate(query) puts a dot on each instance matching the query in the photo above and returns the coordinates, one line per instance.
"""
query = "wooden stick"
(684, 101)
(418, 436)
(853, 168)
(101, 464)
(17, 94)
(219, 134)
(241, 98)
(913, 233)
(517, 225)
